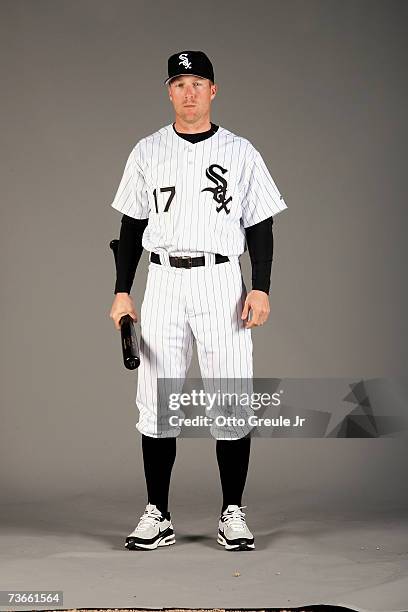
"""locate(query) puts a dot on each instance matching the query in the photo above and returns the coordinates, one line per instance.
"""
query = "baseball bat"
(130, 347)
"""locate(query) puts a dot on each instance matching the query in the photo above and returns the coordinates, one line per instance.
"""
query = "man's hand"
(122, 305)
(258, 303)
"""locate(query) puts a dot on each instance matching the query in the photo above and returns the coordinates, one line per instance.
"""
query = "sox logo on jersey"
(220, 190)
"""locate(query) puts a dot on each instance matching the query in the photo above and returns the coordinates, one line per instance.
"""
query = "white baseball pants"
(181, 305)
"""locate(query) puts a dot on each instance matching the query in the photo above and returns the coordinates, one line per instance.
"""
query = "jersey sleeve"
(261, 197)
(131, 198)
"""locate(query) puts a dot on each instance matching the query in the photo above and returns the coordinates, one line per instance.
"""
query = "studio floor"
(304, 556)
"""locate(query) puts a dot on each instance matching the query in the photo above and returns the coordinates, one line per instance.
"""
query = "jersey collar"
(172, 132)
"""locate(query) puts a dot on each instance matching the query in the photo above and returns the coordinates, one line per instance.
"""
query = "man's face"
(191, 97)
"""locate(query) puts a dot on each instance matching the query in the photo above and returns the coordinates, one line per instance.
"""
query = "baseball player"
(196, 196)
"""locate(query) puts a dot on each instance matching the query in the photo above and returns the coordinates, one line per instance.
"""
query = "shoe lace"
(236, 518)
(149, 518)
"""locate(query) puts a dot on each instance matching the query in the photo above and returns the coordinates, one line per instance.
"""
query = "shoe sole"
(166, 541)
(241, 546)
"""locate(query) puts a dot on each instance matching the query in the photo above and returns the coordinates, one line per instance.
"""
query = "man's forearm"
(259, 239)
(129, 252)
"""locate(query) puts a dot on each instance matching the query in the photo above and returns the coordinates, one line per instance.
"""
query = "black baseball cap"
(189, 62)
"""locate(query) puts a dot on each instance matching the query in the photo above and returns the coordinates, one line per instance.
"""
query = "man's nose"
(189, 92)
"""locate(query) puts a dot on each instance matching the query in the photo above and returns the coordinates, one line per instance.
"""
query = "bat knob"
(132, 363)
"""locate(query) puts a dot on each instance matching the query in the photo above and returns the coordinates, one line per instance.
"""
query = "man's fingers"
(259, 317)
(254, 322)
(117, 318)
(245, 311)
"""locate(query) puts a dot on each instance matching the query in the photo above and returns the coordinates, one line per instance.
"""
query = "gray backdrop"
(319, 88)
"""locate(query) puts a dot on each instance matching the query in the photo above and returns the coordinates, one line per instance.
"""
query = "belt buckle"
(183, 261)
(186, 261)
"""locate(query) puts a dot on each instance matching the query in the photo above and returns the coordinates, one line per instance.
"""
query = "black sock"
(158, 458)
(233, 461)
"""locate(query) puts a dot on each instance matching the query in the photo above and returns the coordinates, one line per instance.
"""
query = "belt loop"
(164, 257)
(209, 259)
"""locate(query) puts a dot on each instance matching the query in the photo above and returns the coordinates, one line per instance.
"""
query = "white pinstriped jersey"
(199, 196)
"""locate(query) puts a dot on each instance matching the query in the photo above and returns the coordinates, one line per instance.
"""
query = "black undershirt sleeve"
(129, 252)
(259, 239)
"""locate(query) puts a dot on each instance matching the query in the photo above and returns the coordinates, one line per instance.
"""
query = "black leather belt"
(186, 261)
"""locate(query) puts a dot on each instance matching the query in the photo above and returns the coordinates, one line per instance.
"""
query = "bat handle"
(130, 351)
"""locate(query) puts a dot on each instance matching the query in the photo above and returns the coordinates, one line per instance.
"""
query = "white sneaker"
(233, 532)
(153, 530)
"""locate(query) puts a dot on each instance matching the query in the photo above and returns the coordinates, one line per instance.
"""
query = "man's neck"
(187, 128)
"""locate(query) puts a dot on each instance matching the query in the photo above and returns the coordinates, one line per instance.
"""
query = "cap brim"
(182, 74)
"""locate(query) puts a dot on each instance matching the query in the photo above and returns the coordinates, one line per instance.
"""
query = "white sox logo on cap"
(184, 60)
